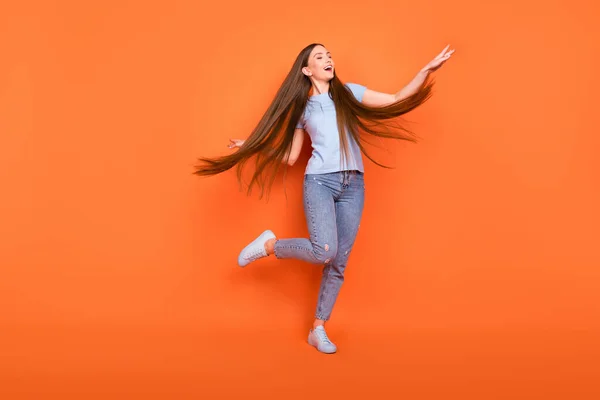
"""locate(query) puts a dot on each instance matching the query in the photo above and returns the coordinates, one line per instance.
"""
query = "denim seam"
(311, 215)
(324, 292)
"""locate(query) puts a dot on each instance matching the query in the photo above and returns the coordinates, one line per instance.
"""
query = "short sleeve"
(300, 124)
(357, 90)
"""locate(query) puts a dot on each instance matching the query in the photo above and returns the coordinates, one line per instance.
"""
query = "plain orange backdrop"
(476, 269)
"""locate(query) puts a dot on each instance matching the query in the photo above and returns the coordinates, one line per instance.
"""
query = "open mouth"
(328, 68)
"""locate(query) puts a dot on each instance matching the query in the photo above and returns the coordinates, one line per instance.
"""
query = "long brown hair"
(271, 139)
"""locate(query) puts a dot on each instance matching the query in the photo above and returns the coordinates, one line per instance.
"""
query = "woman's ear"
(306, 72)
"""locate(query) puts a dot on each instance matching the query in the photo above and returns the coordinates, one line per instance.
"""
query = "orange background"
(476, 269)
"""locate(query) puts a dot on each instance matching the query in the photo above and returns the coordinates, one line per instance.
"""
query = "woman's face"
(320, 65)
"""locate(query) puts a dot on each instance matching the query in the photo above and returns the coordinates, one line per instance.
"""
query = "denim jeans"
(333, 205)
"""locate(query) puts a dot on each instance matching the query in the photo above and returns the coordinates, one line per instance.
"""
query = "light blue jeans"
(333, 205)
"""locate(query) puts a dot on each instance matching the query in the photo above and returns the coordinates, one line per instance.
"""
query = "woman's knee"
(325, 253)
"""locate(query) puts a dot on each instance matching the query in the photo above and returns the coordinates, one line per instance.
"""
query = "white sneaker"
(256, 249)
(318, 338)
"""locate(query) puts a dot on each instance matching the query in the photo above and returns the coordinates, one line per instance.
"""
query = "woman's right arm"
(290, 158)
(297, 142)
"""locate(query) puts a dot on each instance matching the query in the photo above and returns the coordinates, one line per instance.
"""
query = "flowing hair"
(271, 140)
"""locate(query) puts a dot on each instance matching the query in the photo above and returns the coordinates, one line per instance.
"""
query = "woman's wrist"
(424, 71)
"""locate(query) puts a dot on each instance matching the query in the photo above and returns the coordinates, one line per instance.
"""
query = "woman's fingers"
(443, 51)
(235, 143)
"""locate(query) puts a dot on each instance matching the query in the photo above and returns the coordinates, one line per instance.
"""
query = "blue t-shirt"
(319, 121)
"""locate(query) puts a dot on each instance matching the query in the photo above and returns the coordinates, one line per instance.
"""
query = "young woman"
(338, 118)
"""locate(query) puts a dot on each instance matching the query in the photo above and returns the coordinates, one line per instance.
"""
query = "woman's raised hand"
(439, 60)
(233, 143)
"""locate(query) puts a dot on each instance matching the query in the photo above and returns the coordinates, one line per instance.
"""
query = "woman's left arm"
(378, 99)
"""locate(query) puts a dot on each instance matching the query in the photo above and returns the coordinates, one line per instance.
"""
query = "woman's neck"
(319, 87)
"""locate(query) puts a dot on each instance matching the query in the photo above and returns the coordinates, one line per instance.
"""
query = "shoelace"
(254, 254)
(322, 336)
